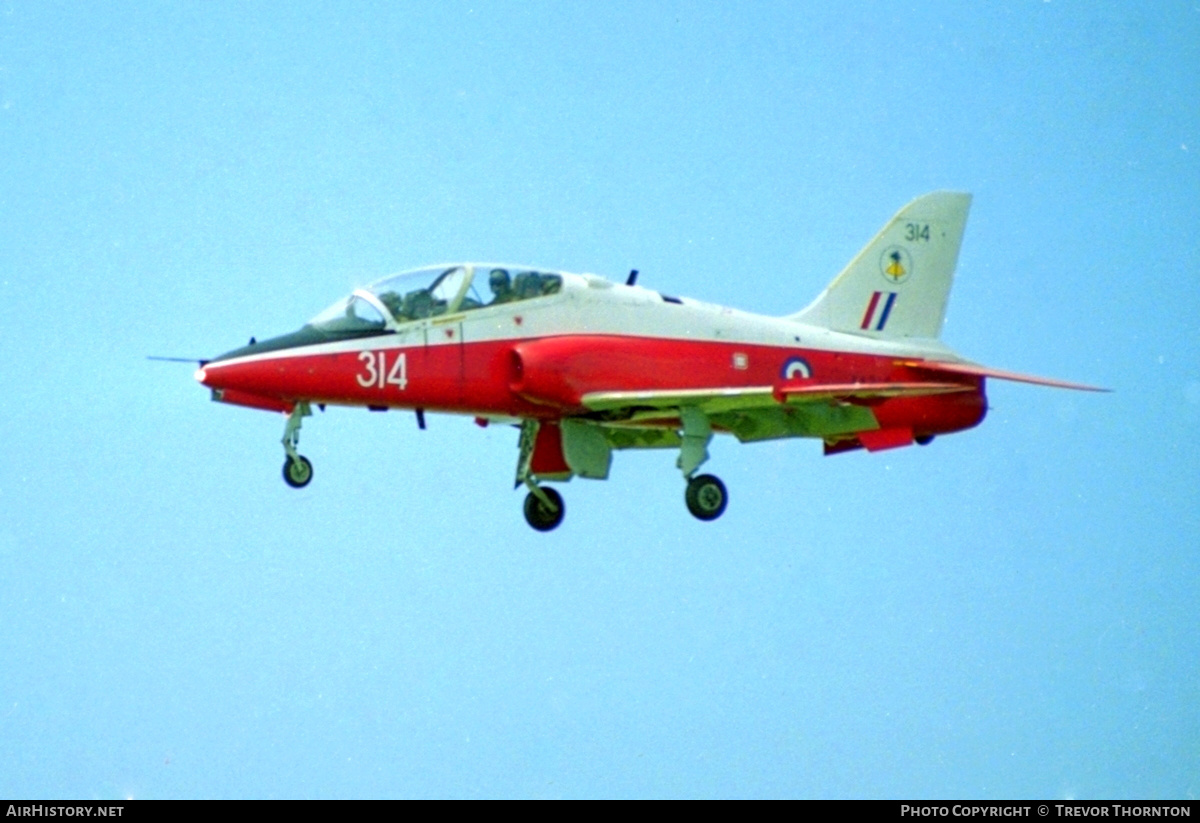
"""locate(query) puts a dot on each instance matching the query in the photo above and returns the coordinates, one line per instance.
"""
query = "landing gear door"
(586, 449)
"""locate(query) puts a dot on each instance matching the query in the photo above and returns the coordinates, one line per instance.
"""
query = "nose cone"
(255, 385)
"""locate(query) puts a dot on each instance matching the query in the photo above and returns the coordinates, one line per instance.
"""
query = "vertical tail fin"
(898, 285)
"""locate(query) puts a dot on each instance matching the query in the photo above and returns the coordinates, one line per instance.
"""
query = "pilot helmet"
(499, 280)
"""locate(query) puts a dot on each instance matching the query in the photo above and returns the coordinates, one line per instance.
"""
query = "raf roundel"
(796, 368)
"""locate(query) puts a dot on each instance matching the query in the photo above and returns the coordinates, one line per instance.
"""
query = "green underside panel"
(627, 438)
(810, 420)
(820, 420)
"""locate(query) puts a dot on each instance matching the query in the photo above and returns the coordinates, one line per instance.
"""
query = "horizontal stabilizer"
(983, 371)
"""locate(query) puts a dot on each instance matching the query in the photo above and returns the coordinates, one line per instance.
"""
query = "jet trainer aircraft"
(585, 366)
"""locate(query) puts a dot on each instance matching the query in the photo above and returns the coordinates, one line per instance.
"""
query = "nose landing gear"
(297, 470)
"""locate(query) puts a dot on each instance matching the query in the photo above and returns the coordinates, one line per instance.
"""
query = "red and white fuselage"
(587, 366)
(539, 358)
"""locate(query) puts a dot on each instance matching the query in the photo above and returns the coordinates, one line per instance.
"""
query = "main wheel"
(706, 497)
(297, 473)
(541, 517)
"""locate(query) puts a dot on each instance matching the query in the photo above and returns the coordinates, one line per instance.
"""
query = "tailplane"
(898, 285)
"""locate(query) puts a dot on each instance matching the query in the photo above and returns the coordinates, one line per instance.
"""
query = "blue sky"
(1010, 612)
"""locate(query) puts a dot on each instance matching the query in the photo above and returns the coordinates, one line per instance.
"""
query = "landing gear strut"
(544, 507)
(297, 470)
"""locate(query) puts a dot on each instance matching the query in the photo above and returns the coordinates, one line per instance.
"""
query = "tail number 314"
(376, 372)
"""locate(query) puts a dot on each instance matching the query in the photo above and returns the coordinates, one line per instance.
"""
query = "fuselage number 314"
(376, 372)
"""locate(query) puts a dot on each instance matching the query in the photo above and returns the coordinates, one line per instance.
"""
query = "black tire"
(297, 473)
(539, 516)
(706, 497)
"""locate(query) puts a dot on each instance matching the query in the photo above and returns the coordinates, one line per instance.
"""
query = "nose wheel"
(706, 497)
(297, 472)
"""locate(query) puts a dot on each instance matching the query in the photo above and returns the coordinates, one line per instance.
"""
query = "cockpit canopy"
(429, 292)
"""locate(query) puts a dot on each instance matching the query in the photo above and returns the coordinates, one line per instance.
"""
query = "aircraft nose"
(201, 376)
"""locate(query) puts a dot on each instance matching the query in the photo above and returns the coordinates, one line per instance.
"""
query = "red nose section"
(211, 377)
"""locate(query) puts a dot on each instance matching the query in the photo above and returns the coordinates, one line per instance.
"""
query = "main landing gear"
(544, 507)
(705, 495)
(297, 470)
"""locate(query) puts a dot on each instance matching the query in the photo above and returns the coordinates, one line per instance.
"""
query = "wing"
(825, 410)
(715, 401)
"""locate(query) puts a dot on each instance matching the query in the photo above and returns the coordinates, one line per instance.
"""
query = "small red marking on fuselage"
(517, 319)
(449, 332)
